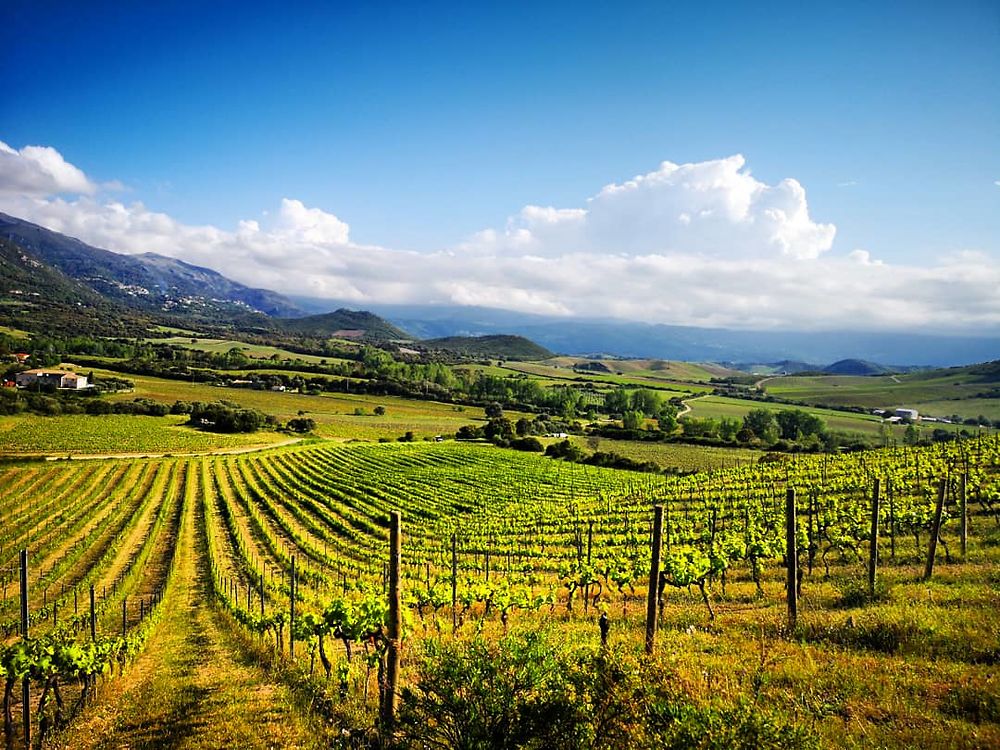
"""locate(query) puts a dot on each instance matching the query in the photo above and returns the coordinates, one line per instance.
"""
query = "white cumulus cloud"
(714, 208)
(698, 244)
(39, 170)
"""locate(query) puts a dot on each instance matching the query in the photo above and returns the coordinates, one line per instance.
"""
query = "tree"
(494, 411)
(646, 401)
(728, 428)
(911, 436)
(301, 424)
(617, 401)
(633, 420)
(499, 430)
(379, 411)
(796, 424)
(762, 424)
(667, 420)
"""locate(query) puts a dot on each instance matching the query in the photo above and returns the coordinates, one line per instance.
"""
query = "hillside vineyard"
(490, 538)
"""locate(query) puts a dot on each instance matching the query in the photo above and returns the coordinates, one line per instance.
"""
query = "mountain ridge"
(145, 281)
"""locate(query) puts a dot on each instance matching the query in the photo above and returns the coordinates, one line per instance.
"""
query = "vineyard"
(292, 546)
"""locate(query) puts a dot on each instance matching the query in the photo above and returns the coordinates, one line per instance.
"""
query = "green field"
(205, 547)
(116, 434)
(253, 351)
(335, 414)
(550, 372)
(938, 393)
(721, 406)
(673, 455)
(16, 333)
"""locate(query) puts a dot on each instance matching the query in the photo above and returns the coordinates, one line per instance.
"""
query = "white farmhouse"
(910, 414)
(58, 378)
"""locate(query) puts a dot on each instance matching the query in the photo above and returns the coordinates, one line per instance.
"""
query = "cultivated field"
(198, 554)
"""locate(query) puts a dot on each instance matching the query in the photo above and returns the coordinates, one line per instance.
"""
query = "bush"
(301, 424)
(531, 444)
(564, 449)
(486, 695)
(520, 692)
(222, 417)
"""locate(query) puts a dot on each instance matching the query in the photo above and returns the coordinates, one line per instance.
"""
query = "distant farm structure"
(56, 378)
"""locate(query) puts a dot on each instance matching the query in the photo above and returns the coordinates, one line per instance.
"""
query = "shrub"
(520, 692)
(527, 444)
(301, 424)
(483, 695)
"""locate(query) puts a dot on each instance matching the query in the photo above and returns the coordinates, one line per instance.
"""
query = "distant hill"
(857, 367)
(34, 296)
(345, 324)
(784, 367)
(494, 347)
(148, 282)
(631, 339)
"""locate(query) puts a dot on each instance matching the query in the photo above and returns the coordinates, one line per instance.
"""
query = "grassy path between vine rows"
(196, 685)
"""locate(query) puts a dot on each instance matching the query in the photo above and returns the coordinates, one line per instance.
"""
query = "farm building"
(910, 414)
(58, 378)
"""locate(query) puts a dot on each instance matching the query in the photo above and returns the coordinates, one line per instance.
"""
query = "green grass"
(720, 406)
(253, 351)
(175, 331)
(550, 374)
(29, 434)
(16, 333)
(334, 413)
(673, 455)
(916, 668)
(938, 393)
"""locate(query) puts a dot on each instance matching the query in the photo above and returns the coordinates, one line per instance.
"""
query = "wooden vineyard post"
(262, 596)
(26, 684)
(963, 514)
(654, 578)
(454, 582)
(892, 518)
(291, 615)
(792, 560)
(935, 531)
(124, 615)
(390, 696)
(93, 617)
(873, 541)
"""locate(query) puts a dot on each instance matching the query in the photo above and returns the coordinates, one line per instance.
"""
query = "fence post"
(935, 531)
(454, 582)
(964, 517)
(390, 696)
(791, 559)
(654, 579)
(93, 616)
(291, 619)
(26, 683)
(873, 540)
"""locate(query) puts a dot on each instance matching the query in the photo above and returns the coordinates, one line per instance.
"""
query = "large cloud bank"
(692, 244)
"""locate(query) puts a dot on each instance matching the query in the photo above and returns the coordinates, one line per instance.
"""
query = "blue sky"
(420, 126)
